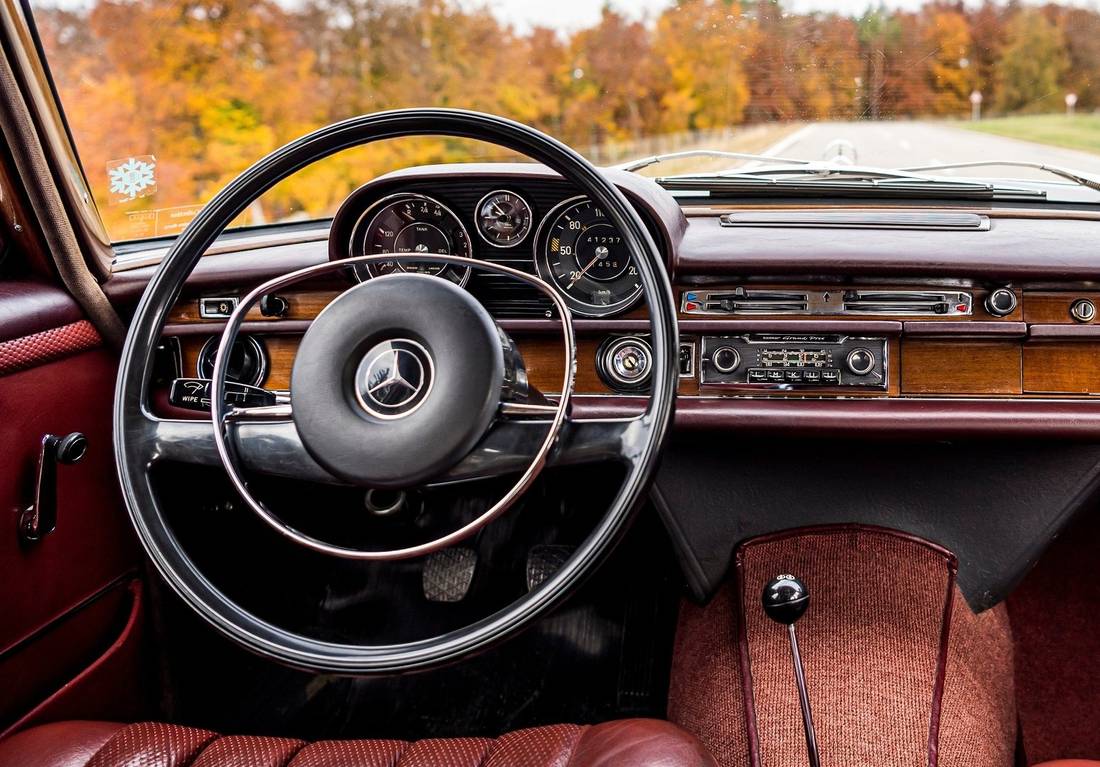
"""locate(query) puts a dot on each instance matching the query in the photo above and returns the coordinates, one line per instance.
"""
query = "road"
(907, 144)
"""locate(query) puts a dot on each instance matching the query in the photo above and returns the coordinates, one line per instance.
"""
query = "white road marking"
(781, 146)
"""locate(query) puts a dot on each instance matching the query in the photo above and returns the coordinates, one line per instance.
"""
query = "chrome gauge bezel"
(542, 268)
(530, 219)
(375, 209)
(210, 347)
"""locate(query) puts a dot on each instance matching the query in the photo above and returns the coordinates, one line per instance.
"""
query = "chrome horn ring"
(222, 414)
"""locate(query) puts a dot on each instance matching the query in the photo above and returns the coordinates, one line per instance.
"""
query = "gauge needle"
(580, 274)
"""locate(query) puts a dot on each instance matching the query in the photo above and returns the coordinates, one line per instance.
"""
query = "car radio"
(793, 361)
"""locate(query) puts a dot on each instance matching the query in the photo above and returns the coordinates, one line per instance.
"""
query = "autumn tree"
(947, 40)
(609, 82)
(703, 44)
(1032, 64)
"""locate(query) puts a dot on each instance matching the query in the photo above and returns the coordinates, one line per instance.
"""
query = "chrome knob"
(1083, 310)
(1001, 302)
(628, 362)
(725, 359)
(860, 361)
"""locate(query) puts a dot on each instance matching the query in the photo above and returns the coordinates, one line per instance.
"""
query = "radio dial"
(860, 361)
(725, 359)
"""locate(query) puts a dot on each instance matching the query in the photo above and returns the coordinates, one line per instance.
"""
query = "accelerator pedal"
(543, 561)
(448, 574)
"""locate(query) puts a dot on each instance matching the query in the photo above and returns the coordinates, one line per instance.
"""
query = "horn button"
(397, 380)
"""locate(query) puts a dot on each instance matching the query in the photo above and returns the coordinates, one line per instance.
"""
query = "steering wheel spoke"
(266, 443)
(509, 445)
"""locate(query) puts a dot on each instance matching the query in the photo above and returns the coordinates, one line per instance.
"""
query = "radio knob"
(725, 359)
(1001, 302)
(860, 361)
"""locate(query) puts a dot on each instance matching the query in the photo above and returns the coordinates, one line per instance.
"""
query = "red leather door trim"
(54, 344)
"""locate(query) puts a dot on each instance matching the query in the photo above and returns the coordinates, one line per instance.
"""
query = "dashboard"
(964, 338)
(792, 317)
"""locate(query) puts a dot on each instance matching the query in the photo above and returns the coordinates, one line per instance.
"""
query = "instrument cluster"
(537, 226)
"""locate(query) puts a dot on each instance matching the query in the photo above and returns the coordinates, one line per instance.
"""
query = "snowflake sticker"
(132, 178)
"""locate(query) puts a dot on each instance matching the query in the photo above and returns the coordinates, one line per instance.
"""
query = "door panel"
(56, 377)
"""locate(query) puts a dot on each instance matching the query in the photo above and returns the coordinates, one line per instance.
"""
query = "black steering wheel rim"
(131, 409)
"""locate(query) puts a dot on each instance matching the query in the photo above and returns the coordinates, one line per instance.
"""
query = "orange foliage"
(209, 86)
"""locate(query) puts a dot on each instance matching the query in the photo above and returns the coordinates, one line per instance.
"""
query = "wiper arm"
(644, 162)
(1072, 175)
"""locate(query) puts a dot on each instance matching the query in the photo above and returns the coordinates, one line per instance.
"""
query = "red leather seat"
(630, 742)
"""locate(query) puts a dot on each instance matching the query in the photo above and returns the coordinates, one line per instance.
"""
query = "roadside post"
(975, 105)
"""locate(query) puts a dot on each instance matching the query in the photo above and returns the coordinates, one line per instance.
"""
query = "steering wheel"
(385, 394)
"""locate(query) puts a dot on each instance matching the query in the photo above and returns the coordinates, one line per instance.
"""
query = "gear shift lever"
(785, 599)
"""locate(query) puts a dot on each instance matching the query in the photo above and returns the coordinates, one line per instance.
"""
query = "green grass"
(1076, 132)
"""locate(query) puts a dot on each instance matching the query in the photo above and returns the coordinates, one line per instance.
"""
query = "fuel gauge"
(503, 218)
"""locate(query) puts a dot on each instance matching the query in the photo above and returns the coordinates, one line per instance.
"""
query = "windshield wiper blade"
(1075, 176)
(825, 171)
(644, 162)
(848, 184)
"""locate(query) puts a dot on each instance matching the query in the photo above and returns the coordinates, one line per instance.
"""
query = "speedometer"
(582, 253)
(405, 225)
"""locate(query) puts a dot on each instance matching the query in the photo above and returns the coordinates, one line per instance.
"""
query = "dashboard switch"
(272, 305)
(1083, 310)
(218, 308)
(686, 360)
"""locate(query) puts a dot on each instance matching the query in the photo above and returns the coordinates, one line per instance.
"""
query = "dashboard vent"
(743, 301)
(780, 301)
(909, 302)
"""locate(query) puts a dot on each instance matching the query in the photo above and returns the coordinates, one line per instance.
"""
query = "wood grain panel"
(960, 367)
(1062, 368)
(303, 305)
(1053, 307)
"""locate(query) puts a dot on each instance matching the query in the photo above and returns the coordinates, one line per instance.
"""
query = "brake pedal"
(543, 561)
(448, 574)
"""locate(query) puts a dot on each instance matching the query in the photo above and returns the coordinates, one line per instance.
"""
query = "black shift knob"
(785, 599)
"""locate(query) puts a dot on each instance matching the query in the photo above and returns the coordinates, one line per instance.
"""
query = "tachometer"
(407, 224)
(581, 253)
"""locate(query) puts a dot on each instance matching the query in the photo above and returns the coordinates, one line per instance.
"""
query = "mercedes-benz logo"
(394, 378)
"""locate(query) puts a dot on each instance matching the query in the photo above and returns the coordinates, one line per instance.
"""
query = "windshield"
(168, 100)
